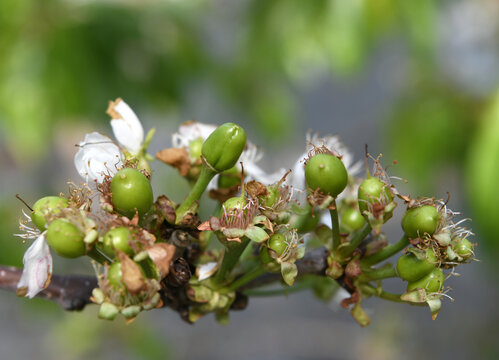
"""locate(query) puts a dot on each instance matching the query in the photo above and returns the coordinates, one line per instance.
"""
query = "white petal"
(249, 157)
(37, 267)
(126, 126)
(205, 271)
(97, 156)
(189, 131)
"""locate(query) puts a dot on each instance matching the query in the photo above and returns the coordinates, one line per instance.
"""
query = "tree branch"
(71, 292)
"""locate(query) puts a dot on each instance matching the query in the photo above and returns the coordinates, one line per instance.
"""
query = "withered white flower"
(190, 131)
(97, 157)
(37, 268)
(127, 128)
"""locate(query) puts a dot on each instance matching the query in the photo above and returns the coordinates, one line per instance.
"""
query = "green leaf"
(289, 272)
(435, 306)
(260, 219)
(415, 296)
(256, 234)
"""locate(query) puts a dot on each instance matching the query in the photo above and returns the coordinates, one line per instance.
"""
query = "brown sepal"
(206, 226)
(223, 194)
(256, 189)
(176, 157)
(166, 207)
(132, 275)
(354, 299)
(162, 254)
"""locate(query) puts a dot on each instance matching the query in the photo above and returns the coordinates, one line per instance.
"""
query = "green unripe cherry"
(131, 192)
(463, 248)
(118, 239)
(224, 146)
(410, 268)
(327, 173)
(277, 242)
(373, 191)
(114, 275)
(432, 282)
(46, 206)
(419, 221)
(66, 239)
(352, 220)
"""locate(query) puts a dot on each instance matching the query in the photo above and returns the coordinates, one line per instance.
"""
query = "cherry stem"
(231, 256)
(196, 192)
(378, 274)
(247, 277)
(386, 252)
(368, 289)
(303, 285)
(336, 226)
(356, 241)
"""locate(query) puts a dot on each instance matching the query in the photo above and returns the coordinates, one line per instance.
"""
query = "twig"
(71, 292)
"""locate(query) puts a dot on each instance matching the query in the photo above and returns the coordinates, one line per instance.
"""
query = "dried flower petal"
(126, 126)
(37, 268)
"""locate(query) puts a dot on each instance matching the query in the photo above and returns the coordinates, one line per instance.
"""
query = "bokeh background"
(416, 80)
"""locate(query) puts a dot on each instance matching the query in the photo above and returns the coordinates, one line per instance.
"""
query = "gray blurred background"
(416, 80)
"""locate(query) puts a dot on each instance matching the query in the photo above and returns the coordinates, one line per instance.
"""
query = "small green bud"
(98, 295)
(118, 239)
(327, 173)
(131, 192)
(432, 282)
(108, 311)
(421, 220)
(46, 206)
(224, 146)
(66, 239)
(131, 311)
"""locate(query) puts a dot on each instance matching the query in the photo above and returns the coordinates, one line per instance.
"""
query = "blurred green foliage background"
(61, 60)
